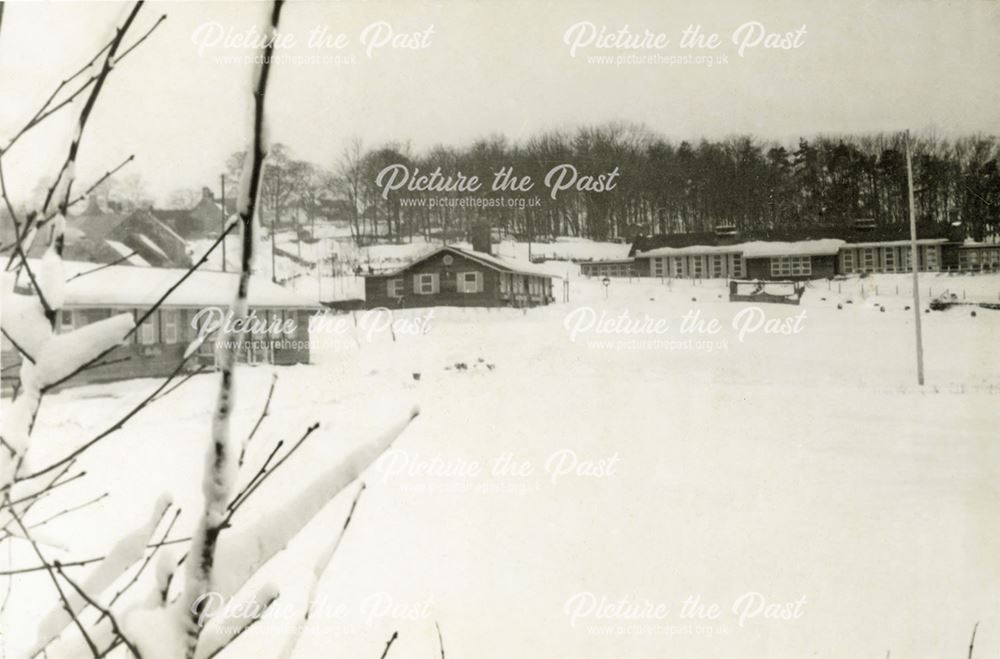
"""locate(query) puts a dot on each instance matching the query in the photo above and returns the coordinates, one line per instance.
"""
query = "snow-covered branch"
(220, 467)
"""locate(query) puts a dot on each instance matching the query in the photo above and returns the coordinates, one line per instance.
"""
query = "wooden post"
(915, 260)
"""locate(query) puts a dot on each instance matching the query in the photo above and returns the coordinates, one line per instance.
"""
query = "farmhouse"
(453, 277)
(95, 292)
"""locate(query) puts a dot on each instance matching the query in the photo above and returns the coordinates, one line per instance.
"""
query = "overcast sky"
(492, 67)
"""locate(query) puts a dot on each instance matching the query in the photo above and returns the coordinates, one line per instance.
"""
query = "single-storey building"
(453, 277)
(812, 253)
(95, 292)
(976, 257)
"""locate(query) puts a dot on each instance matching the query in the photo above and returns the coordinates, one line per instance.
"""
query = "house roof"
(498, 263)
(96, 226)
(136, 286)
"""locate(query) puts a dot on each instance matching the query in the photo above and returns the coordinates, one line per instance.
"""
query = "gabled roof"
(98, 225)
(137, 286)
(497, 263)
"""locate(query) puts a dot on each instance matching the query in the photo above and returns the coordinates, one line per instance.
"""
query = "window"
(147, 331)
(717, 269)
(697, 265)
(425, 284)
(890, 259)
(448, 259)
(66, 321)
(678, 266)
(658, 266)
(736, 265)
(932, 261)
(470, 282)
(868, 255)
(171, 325)
(784, 266)
(847, 261)
(276, 323)
(394, 288)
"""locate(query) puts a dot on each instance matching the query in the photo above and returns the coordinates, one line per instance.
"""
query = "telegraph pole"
(274, 226)
(915, 262)
(222, 181)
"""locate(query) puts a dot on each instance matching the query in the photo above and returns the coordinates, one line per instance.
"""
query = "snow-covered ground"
(566, 488)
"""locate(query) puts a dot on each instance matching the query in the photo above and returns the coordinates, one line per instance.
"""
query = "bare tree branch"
(145, 562)
(111, 429)
(239, 501)
(220, 462)
(263, 413)
(392, 639)
(440, 640)
(55, 580)
(105, 613)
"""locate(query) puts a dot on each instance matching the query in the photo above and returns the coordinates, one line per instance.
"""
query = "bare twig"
(105, 613)
(45, 491)
(241, 500)
(124, 257)
(55, 580)
(260, 419)
(440, 640)
(392, 639)
(74, 147)
(71, 509)
(111, 429)
(198, 371)
(972, 641)
(260, 472)
(146, 561)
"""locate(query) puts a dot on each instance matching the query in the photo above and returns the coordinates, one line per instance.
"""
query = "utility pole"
(222, 181)
(915, 262)
(274, 225)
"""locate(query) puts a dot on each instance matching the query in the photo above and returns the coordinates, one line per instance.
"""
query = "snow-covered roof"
(755, 249)
(134, 286)
(821, 247)
(691, 249)
(495, 262)
(901, 243)
(127, 252)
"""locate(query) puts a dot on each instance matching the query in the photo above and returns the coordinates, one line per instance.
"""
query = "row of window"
(972, 258)
(608, 269)
(888, 259)
(167, 325)
(716, 266)
(429, 283)
(791, 266)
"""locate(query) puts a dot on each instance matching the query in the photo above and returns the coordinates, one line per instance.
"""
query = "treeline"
(662, 186)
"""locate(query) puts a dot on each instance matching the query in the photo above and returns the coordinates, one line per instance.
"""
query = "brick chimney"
(481, 237)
